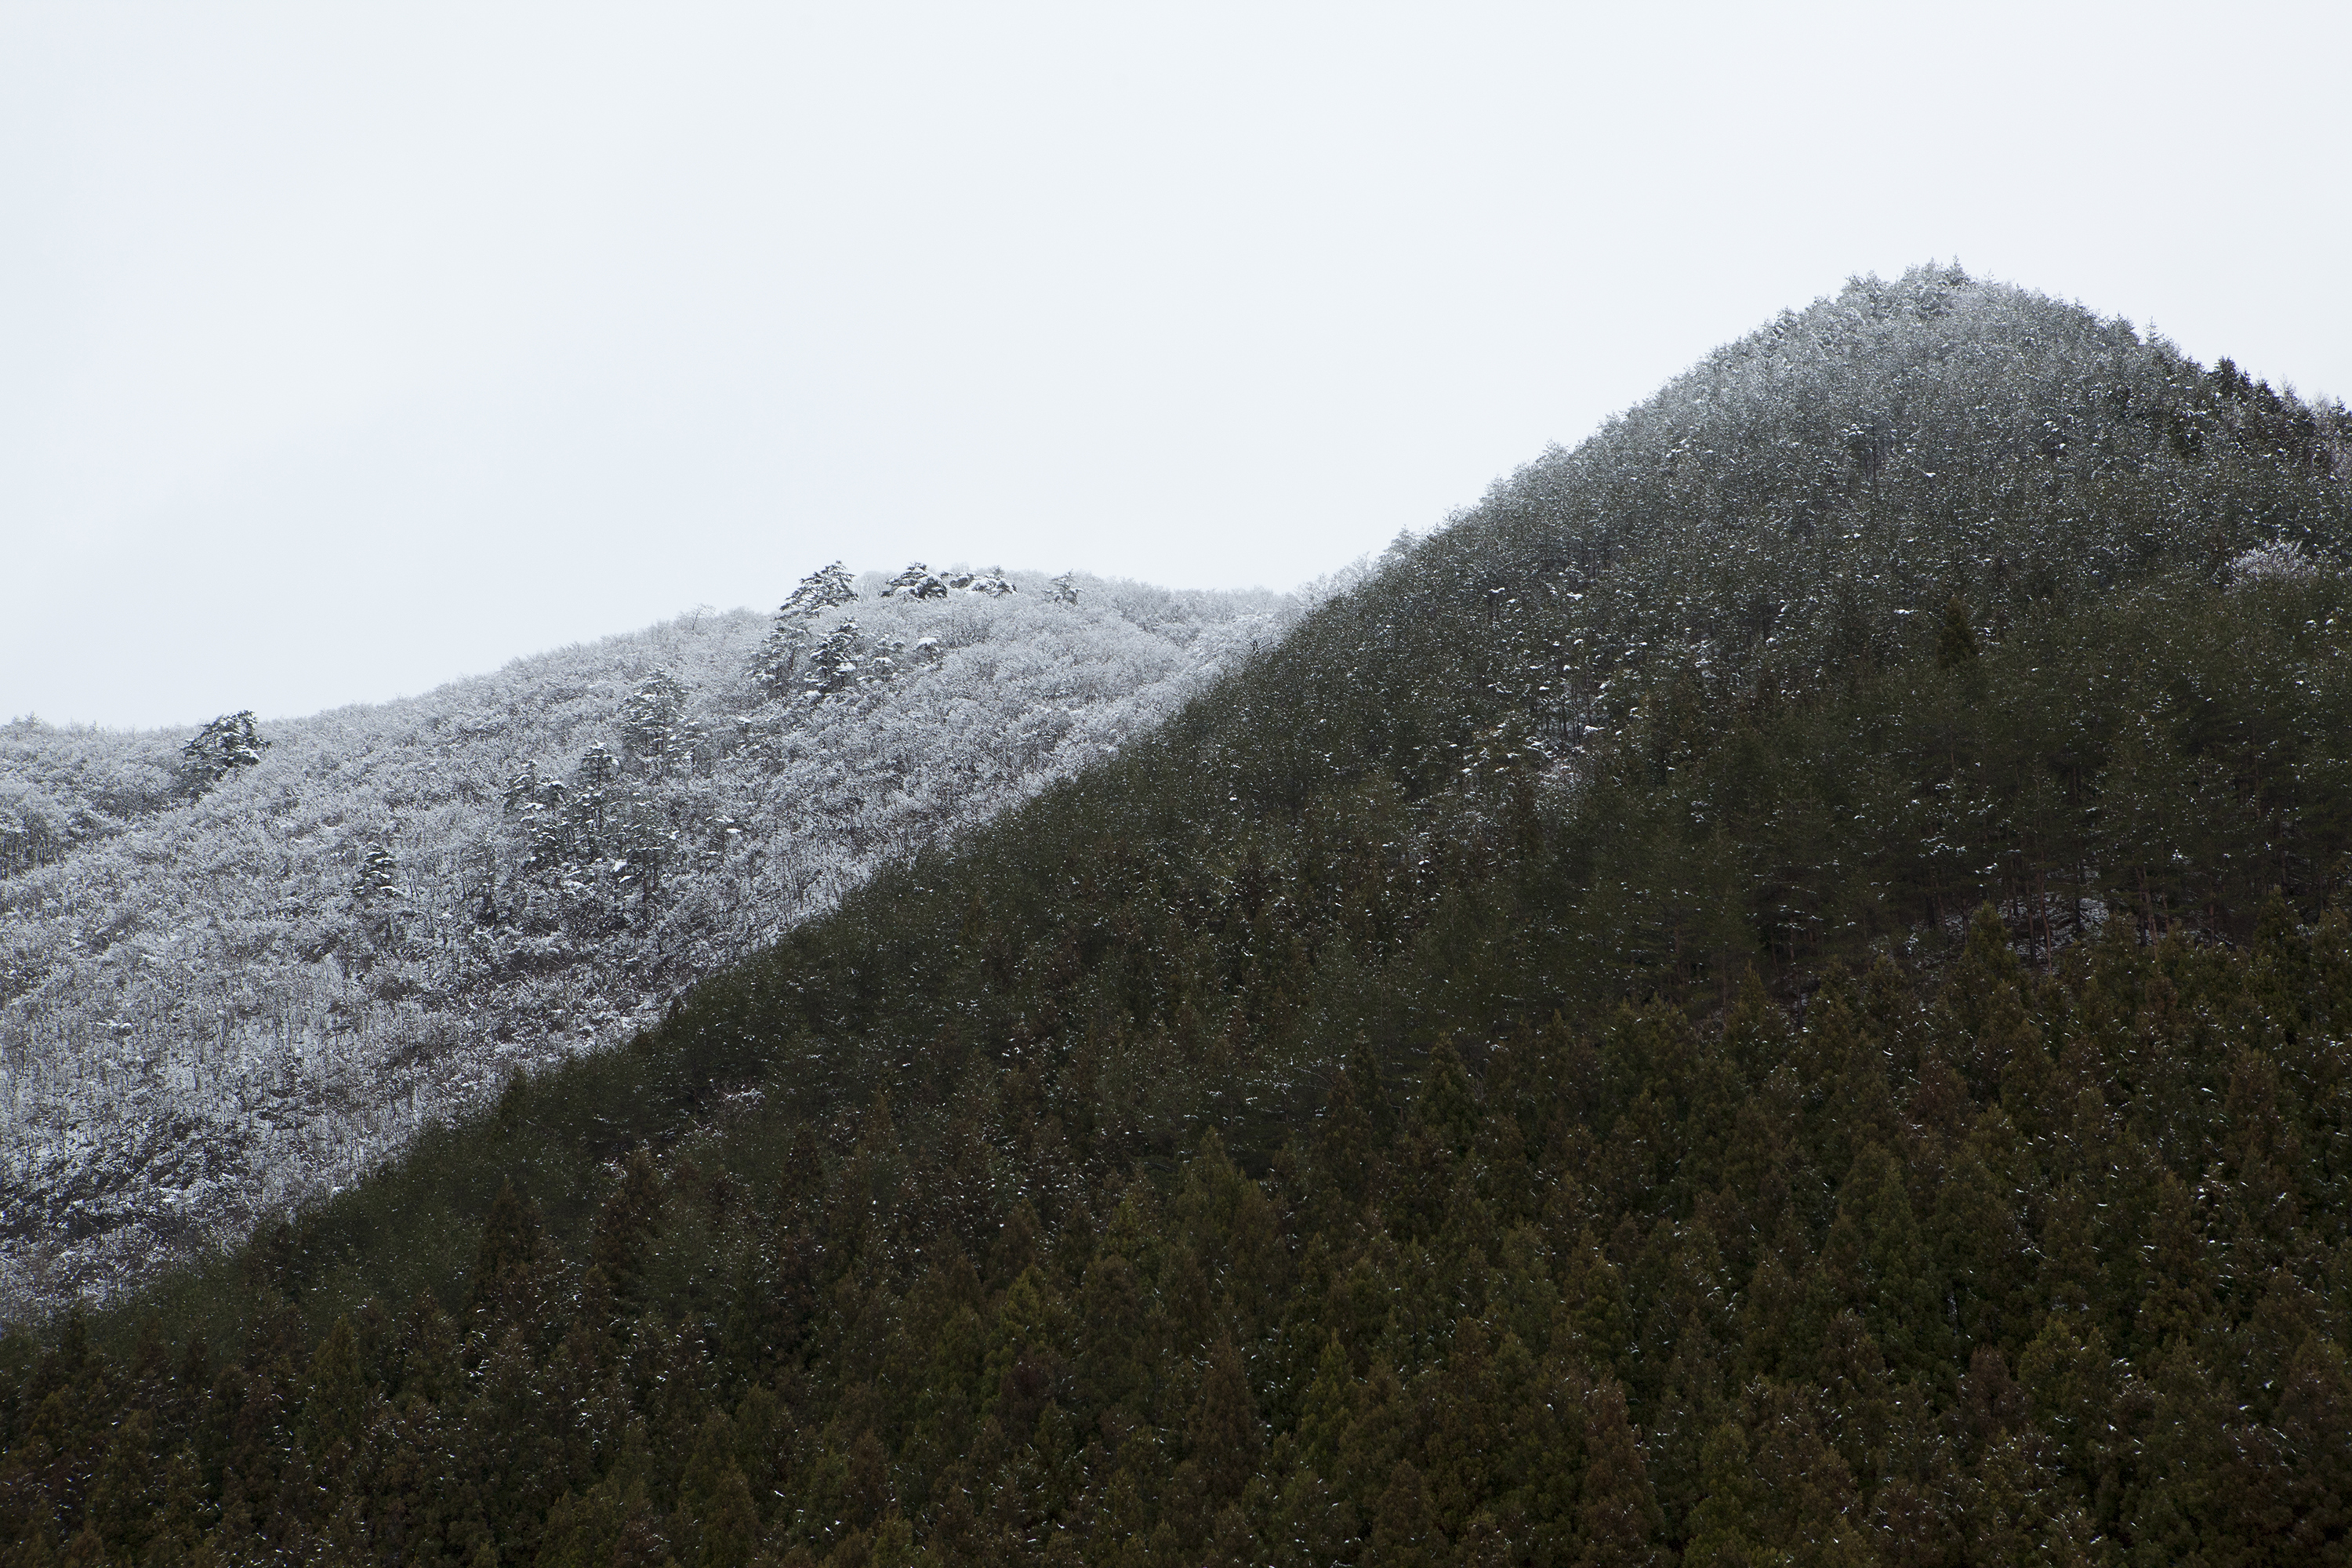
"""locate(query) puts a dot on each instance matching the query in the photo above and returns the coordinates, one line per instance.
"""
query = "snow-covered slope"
(215, 1005)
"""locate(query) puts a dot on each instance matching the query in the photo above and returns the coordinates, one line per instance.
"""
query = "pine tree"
(1806, 1491)
(917, 582)
(2073, 1382)
(508, 1250)
(820, 591)
(1725, 1526)
(777, 663)
(2314, 1421)
(625, 1226)
(379, 876)
(124, 1494)
(1592, 1323)
(220, 748)
(989, 584)
(1345, 1148)
(1403, 1535)
(1618, 1519)
(654, 732)
(1904, 1295)
(336, 1403)
(716, 1524)
(1956, 648)
(834, 663)
(1113, 1372)
(1982, 1244)
(2177, 1301)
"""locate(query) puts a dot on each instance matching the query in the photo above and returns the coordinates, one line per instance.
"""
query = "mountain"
(228, 987)
(1772, 992)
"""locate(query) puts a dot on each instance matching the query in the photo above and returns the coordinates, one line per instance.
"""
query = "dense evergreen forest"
(1775, 992)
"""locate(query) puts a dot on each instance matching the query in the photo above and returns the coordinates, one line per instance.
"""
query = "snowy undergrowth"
(214, 1008)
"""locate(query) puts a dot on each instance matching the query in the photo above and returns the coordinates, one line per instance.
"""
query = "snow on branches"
(214, 1007)
(220, 748)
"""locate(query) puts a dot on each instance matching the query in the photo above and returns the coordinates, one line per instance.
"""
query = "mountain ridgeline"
(237, 978)
(1772, 993)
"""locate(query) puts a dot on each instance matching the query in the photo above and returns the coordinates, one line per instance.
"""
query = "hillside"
(219, 1001)
(1772, 993)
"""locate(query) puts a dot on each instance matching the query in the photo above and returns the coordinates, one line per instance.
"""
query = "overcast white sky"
(345, 350)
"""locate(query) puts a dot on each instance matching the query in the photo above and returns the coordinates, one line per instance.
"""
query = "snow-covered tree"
(776, 666)
(655, 729)
(837, 659)
(379, 876)
(227, 744)
(917, 582)
(378, 893)
(587, 845)
(818, 592)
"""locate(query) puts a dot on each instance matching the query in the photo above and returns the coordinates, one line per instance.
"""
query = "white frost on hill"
(216, 1006)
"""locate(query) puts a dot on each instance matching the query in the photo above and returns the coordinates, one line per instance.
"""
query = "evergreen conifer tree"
(221, 747)
(777, 663)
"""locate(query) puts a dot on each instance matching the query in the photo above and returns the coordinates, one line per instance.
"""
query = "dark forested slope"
(1340, 1127)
